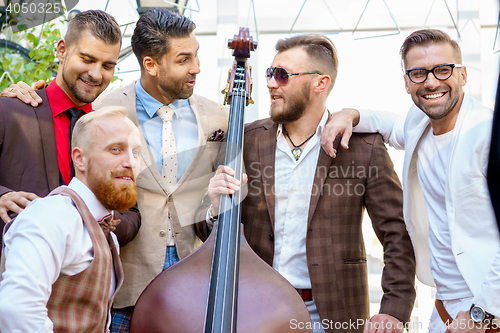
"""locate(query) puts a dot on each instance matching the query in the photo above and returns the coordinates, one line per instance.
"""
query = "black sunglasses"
(281, 75)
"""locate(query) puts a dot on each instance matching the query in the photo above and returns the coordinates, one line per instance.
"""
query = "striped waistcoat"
(81, 303)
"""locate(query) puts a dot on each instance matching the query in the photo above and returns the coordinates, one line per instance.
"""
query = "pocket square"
(217, 135)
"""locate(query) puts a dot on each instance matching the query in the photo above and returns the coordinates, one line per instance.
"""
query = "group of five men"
(316, 244)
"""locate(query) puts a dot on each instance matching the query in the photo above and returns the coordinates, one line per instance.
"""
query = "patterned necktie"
(168, 146)
(73, 115)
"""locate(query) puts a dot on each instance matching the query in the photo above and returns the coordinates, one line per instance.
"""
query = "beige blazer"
(143, 258)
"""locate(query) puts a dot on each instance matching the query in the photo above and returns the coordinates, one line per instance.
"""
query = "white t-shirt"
(432, 164)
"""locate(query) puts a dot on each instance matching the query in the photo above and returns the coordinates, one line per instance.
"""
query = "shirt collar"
(60, 102)
(95, 206)
(151, 105)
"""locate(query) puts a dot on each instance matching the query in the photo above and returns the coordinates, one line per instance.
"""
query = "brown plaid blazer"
(335, 249)
(81, 303)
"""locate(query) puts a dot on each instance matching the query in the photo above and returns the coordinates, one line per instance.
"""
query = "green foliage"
(41, 41)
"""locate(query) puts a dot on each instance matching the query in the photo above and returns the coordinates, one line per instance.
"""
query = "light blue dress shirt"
(184, 125)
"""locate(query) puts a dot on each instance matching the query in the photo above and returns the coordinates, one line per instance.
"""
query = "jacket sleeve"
(202, 227)
(389, 125)
(489, 292)
(129, 226)
(3, 189)
(384, 202)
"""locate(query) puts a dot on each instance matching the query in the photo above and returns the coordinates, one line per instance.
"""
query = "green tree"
(41, 43)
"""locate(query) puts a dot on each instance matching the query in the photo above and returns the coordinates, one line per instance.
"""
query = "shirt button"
(162, 233)
(170, 198)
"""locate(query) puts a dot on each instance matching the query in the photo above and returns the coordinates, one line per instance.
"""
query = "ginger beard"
(111, 197)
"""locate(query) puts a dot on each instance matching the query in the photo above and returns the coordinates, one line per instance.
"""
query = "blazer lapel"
(324, 162)
(147, 161)
(267, 155)
(48, 134)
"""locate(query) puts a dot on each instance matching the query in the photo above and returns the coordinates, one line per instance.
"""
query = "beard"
(112, 198)
(293, 107)
(437, 112)
(174, 87)
(78, 94)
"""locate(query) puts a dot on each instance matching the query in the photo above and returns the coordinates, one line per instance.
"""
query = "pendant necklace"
(296, 151)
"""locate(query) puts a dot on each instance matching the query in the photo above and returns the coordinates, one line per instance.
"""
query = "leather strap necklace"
(297, 151)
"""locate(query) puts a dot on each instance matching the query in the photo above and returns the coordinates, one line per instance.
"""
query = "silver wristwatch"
(479, 315)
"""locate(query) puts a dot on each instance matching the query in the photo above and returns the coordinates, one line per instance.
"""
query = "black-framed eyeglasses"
(281, 75)
(441, 72)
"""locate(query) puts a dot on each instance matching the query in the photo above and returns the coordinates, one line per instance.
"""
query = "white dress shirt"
(293, 185)
(46, 240)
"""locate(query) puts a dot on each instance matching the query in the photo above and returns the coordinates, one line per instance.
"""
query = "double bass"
(223, 286)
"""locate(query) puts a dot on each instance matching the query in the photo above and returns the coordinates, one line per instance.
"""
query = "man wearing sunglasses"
(303, 211)
(448, 212)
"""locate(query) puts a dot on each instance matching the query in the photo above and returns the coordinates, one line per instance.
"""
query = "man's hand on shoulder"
(14, 202)
(24, 92)
(341, 122)
(383, 323)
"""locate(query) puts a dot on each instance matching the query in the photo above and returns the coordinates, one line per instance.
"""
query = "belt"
(445, 317)
(306, 294)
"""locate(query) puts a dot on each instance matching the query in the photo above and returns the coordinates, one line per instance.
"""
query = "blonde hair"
(81, 133)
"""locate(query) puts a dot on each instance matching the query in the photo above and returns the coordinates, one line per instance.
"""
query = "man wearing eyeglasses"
(303, 211)
(448, 212)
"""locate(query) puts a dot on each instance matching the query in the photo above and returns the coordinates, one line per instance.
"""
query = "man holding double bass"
(317, 243)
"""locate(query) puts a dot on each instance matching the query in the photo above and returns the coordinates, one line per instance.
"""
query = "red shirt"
(59, 103)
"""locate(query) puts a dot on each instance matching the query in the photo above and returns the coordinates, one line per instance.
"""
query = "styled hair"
(426, 37)
(153, 32)
(81, 133)
(319, 48)
(100, 24)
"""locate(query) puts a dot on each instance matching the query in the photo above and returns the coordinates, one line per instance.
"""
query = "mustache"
(115, 174)
(431, 91)
(91, 80)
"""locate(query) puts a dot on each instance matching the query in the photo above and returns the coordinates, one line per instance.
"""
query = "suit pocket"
(355, 261)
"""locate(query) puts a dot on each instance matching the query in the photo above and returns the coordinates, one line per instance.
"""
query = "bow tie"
(108, 224)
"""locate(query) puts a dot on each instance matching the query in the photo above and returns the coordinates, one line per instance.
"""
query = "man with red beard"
(446, 136)
(60, 266)
(175, 179)
(34, 142)
(177, 151)
(304, 209)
